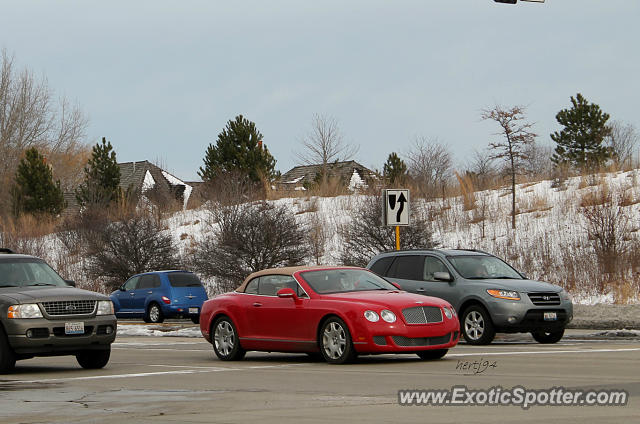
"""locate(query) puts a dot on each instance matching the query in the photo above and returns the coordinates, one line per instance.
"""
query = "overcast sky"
(160, 79)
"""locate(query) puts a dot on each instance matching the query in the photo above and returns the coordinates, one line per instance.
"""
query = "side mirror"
(524, 276)
(442, 276)
(287, 293)
(122, 288)
(397, 285)
(70, 282)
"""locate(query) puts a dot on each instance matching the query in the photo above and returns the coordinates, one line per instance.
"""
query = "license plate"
(550, 316)
(74, 328)
(193, 310)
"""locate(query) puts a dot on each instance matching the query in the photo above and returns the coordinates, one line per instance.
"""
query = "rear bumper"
(41, 337)
(179, 311)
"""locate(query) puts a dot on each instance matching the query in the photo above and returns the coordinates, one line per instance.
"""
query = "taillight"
(166, 300)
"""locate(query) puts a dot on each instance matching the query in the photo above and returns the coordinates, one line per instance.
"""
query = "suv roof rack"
(475, 250)
(5, 250)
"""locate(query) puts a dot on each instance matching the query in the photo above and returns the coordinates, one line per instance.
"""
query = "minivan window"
(183, 279)
(407, 267)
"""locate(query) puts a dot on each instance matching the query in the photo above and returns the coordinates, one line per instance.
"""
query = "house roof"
(343, 170)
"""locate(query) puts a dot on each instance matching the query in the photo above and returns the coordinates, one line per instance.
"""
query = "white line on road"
(542, 352)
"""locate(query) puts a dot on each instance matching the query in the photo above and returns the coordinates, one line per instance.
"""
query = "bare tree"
(481, 168)
(622, 140)
(365, 236)
(246, 238)
(517, 135)
(325, 144)
(537, 160)
(430, 164)
(30, 118)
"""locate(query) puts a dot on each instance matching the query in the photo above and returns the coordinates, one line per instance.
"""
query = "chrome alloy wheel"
(334, 340)
(474, 325)
(224, 337)
(154, 313)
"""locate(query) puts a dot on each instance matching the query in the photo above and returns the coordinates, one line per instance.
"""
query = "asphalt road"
(178, 380)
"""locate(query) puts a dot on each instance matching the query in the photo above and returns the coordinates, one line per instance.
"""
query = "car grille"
(544, 299)
(422, 315)
(69, 307)
(421, 341)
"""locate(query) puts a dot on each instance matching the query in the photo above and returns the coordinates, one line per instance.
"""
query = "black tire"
(476, 326)
(429, 355)
(7, 357)
(154, 313)
(336, 346)
(93, 359)
(225, 341)
(548, 337)
(195, 319)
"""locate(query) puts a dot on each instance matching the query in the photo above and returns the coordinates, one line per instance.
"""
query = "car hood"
(389, 298)
(48, 294)
(526, 286)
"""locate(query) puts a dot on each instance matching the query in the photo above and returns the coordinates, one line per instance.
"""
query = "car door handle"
(257, 304)
(420, 290)
(132, 294)
(149, 292)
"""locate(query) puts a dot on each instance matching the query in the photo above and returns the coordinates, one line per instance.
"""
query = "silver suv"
(489, 295)
(41, 314)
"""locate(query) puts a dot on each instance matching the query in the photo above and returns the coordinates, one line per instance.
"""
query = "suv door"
(147, 285)
(443, 289)
(407, 271)
(126, 293)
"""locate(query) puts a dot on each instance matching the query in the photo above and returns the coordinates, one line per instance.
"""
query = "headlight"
(388, 316)
(371, 316)
(504, 294)
(105, 307)
(28, 310)
(447, 312)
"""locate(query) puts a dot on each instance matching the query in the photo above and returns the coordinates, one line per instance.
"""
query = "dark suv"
(489, 295)
(41, 314)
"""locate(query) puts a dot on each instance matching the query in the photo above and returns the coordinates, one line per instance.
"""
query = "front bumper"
(523, 316)
(381, 337)
(41, 336)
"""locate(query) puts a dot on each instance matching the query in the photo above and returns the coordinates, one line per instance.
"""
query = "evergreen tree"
(34, 190)
(580, 141)
(239, 148)
(102, 177)
(395, 170)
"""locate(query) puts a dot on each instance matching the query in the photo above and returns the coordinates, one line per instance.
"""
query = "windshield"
(483, 267)
(345, 280)
(28, 272)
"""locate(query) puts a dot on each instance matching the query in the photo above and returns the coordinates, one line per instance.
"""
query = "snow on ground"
(154, 330)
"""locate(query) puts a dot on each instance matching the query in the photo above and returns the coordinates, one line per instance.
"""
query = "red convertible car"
(337, 312)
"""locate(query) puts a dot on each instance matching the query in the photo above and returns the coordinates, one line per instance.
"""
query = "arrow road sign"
(396, 207)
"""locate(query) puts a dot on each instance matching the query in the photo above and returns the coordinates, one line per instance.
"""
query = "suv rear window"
(183, 279)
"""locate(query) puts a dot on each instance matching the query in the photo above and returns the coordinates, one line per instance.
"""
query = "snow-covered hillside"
(550, 243)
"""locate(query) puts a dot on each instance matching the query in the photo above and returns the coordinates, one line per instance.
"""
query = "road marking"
(191, 370)
(542, 352)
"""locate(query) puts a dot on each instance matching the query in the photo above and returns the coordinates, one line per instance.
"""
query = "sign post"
(395, 210)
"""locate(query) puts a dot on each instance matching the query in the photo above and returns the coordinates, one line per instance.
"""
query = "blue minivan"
(154, 296)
